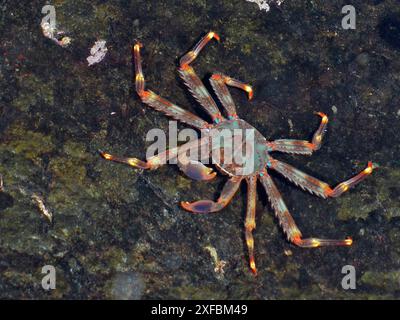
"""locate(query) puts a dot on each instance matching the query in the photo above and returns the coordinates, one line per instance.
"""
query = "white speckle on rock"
(264, 4)
(290, 122)
(97, 52)
(334, 109)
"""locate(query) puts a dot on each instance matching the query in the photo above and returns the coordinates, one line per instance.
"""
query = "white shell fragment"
(42, 208)
(218, 264)
(264, 4)
(51, 33)
(97, 52)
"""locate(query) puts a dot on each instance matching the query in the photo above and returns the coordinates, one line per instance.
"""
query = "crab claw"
(201, 206)
(196, 170)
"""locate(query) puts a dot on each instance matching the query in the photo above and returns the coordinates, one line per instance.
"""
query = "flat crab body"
(250, 166)
(247, 152)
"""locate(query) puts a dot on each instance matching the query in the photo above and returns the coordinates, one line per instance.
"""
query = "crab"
(259, 157)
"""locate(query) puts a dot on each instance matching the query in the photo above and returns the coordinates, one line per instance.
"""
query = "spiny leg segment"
(315, 185)
(195, 85)
(219, 83)
(301, 146)
(206, 206)
(192, 169)
(155, 101)
(286, 221)
(250, 222)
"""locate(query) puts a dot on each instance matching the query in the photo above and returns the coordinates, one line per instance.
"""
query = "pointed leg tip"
(322, 115)
(137, 45)
(105, 155)
(373, 165)
(216, 76)
(253, 267)
(348, 241)
(214, 35)
(370, 167)
(249, 91)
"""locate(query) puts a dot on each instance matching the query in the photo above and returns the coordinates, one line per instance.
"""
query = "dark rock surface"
(119, 233)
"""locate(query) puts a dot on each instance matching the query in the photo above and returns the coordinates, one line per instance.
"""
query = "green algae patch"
(32, 92)
(70, 187)
(349, 209)
(381, 280)
(383, 197)
(116, 259)
(30, 144)
(110, 259)
(72, 184)
(183, 182)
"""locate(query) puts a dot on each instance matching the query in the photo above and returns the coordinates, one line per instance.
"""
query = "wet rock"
(120, 232)
(6, 201)
(382, 280)
(389, 30)
(363, 59)
(172, 261)
(127, 286)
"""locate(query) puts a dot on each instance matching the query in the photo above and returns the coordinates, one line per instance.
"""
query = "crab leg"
(207, 206)
(291, 146)
(287, 223)
(192, 169)
(301, 146)
(219, 83)
(195, 85)
(155, 101)
(250, 222)
(314, 185)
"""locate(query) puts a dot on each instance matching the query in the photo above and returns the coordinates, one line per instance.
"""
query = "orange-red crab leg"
(155, 101)
(219, 83)
(195, 85)
(344, 186)
(314, 185)
(250, 222)
(287, 223)
(301, 146)
(207, 206)
(192, 169)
